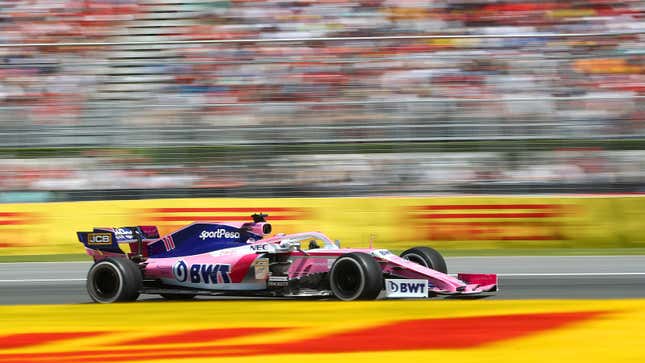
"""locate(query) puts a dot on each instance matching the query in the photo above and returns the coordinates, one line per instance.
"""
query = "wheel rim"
(413, 257)
(105, 282)
(348, 279)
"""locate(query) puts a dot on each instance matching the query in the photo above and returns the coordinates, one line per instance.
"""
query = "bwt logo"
(220, 233)
(408, 287)
(202, 273)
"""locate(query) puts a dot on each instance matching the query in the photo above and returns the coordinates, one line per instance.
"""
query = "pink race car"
(231, 258)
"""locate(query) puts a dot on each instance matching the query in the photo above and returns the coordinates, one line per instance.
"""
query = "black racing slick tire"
(114, 280)
(426, 256)
(178, 297)
(356, 276)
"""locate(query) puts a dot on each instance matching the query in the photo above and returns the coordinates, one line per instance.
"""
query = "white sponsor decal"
(123, 233)
(406, 288)
(278, 281)
(381, 253)
(261, 268)
(220, 233)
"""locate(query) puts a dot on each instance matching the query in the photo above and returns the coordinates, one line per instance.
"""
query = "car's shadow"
(465, 297)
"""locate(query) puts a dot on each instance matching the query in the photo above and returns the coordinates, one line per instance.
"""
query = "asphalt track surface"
(546, 277)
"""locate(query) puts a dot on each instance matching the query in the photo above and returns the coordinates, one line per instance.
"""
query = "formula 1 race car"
(232, 258)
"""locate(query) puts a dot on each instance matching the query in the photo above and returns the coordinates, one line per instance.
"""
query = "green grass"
(46, 258)
(448, 253)
(165, 153)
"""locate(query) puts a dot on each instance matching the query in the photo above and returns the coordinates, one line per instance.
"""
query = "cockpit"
(309, 240)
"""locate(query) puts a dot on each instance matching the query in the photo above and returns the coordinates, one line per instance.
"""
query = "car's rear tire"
(178, 297)
(426, 256)
(114, 280)
(356, 276)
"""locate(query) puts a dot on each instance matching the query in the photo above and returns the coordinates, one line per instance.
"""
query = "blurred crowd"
(387, 90)
(564, 170)
(230, 84)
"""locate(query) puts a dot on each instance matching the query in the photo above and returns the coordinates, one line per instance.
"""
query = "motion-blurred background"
(501, 113)
(474, 126)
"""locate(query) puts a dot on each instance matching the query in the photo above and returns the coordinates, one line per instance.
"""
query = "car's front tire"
(114, 280)
(426, 256)
(356, 276)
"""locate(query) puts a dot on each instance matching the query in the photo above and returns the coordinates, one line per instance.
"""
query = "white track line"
(573, 274)
(535, 257)
(42, 280)
(538, 274)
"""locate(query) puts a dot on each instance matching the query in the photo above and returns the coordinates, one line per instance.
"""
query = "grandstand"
(516, 106)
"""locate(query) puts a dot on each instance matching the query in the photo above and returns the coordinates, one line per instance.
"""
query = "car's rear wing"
(108, 239)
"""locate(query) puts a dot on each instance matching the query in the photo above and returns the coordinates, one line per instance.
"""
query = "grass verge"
(46, 258)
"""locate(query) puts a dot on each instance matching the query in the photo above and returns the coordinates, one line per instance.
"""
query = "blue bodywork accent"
(201, 238)
(112, 247)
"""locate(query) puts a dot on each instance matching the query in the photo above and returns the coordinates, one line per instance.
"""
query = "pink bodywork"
(241, 259)
(400, 267)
